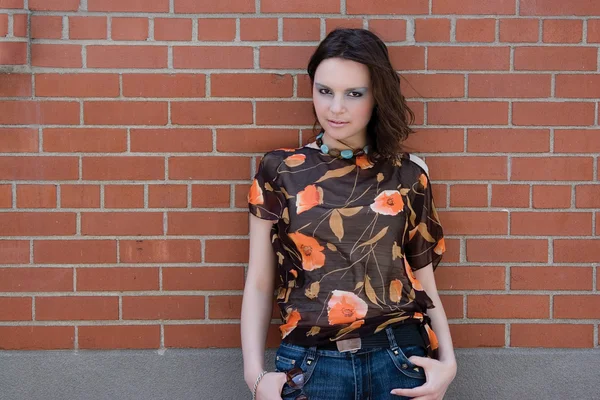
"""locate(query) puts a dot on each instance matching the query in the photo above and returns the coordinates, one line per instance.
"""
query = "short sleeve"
(265, 198)
(425, 237)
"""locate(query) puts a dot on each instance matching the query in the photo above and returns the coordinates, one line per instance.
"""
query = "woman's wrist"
(251, 375)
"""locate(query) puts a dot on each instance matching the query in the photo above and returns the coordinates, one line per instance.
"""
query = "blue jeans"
(368, 374)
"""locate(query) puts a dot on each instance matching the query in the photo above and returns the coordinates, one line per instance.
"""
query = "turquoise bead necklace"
(345, 154)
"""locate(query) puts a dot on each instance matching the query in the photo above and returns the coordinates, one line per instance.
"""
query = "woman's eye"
(355, 94)
(324, 91)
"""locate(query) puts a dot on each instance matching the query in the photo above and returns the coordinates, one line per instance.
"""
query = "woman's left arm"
(439, 373)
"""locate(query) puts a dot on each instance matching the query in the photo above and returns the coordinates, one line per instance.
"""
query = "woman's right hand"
(270, 386)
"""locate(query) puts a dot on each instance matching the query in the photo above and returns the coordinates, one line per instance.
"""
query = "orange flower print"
(363, 162)
(288, 149)
(423, 180)
(395, 290)
(418, 316)
(308, 198)
(440, 248)
(291, 322)
(295, 160)
(388, 202)
(415, 283)
(312, 252)
(433, 340)
(255, 195)
(345, 308)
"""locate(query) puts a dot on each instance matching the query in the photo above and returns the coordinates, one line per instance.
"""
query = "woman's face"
(343, 100)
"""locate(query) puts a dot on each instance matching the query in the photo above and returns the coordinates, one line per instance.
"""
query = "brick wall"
(130, 130)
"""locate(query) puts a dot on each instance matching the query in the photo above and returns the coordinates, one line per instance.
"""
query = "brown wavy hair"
(390, 122)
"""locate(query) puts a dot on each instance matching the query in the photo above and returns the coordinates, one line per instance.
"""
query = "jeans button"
(404, 366)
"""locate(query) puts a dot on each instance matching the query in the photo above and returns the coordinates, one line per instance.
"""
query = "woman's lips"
(336, 123)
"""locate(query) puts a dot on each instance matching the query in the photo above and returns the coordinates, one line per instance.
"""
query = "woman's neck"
(353, 143)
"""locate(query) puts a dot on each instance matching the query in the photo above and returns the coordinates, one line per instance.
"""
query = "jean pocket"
(288, 357)
(404, 365)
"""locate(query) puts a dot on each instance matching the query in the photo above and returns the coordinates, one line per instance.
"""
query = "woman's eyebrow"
(320, 85)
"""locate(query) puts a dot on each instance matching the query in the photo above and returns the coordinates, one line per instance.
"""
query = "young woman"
(347, 228)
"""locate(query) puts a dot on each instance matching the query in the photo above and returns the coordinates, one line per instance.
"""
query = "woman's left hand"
(438, 374)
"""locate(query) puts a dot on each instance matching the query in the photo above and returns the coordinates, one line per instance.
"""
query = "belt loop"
(312, 355)
(392, 339)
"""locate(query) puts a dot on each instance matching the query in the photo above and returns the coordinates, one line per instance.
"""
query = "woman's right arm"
(257, 307)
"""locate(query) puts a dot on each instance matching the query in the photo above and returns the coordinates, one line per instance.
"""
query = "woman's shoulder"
(411, 165)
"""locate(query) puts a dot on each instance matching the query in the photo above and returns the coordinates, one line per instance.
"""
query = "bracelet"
(256, 384)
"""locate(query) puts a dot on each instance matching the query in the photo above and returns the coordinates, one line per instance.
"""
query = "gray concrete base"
(217, 375)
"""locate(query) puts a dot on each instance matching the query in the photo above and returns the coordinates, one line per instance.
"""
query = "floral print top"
(347, 235)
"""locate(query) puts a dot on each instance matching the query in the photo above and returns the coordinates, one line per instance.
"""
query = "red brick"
(163, 307)
(36, 337)
(36, 196)
(226, 251)
(202, 336)
(538, 113)
(578, 86)
(209, 168)
(54, 5)
(550, 278)
(74, 251)
(432, 30)
(100, 140)
(19, 140)
(407, 58)
(509, 250)
(475, 222)
(207, 223)
(117, 279)
(452, 254)
(46, 27)
(172, 29)
(514, 196)
(123, 168)
(160, 251)
(119, 337)
(577, 307)
(474, 7)
(508, 306)
(470, 278)
(128, 5)
(220, 57)
(484, 140)
(432, 85)
(467, 168)
(593, 31)
(389, 30)
(37, 279)
(76, 308)
(171, 140)
(587, 196)
(284, 113)
(305, 7)
(211, 112)
(13, 53)
(125, 112)
(20, 27)
(577, 141)
(555, 7)
(468, 58)
(468, 113)
(37, 224)
(56, 55)
(477, 335)
(552, 335)
(13, 252)
(244, 140)
(258, 29)
(129, 28)
(453, 306)
(285, 57)
(11, 4)
(468, 196)
(551, 223)
(211, 196)
(301, 29)
(203, 278)
(251, 85)
(15, 309)
(435, 140)
(552, 169)
(562, 31)
(38, 168)
(39, 112)
(335, 23)
(519, 30)
(124, 196)
(167, 196)
(122, 224)
(215, 29)
(418, 109)
(77, 85)
(241, 195)
(385, 7)
(159, 85)
(439, 194)
(476, 30)
(580, 250)
(3, 24)
(15, 85)
(107, 56)
(6, 196)
(214, 7)
(555, 58)
(80, 196)
(88, 27)
(546, 196)
(225, 307)
(509, 85)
